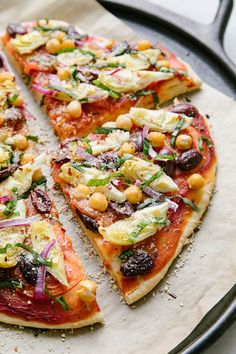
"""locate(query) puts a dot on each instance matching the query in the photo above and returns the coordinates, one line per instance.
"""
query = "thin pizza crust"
(14, 320)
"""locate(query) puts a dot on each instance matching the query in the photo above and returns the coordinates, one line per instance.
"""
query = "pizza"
(42, 281)
(81, 80)
(139, 187)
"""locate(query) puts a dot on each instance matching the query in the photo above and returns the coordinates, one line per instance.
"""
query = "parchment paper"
(199, 278)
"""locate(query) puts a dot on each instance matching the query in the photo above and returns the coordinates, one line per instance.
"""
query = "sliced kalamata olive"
(60, 156)
(13, 116)
(185, 108)
(136, 140)
(189, 159)
(27, 268)
(40, 200)
(139, 262)
(3, 274)
(90, 223)
(1, 62)
(168, 165)
(121, 48)
(8, 171)
(15, 28)
(108, 160)
(124, 209)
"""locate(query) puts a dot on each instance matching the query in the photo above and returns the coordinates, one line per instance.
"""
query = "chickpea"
(81, 191)
(26, 158)
(144, 44)
(20, 142)
(87, 290)
(74, 108)
(60, 36)
(126, 148)
(195, 181)
(98, 201)
(18, 101)
(124, 122)
(53, 45)
(5, 75)
(63, 73)
(2, 118)
(184, 142)
(38, 174)
(68, 43)
(133, 194)
(157, 139)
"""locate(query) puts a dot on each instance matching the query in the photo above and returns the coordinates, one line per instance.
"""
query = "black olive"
(189, 159)
(139, 262)
(1, 62)
(136, 140)
(3, 274)
(168, 165)
(27, 268)
(185, 108)
(121, 48)
(123, 209)
(8, 171)
(108, 160)
(41, 200)
(89, 222)
(15, 28)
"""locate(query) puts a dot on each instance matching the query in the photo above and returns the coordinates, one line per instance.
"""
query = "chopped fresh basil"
(60, 90)
(109, 65)
(88, 147)
(87, 52)
(186, 201)
(59, 299)
(35, 184)
(151, 179)
(77, 166)
(33, 138)
(157, 220)
(12, 98)
(206, 140)
(126, 254)
(37, 258)
(11, 283)
(48, 29)
(176, 130)
(146, 147)
(122, 159)
(95, 182)
(10, 207)
(174, 71)
(112, 93)
(66, 50)
(147, 202)
(145, 92)
(164, 157)
(106, 130)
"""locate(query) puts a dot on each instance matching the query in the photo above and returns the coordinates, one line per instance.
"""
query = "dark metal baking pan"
(202, 47)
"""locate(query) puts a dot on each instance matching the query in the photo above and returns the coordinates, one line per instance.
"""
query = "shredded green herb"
(141, 226)
(206, 140)
(13, 97)
(87, 52)
(176, 130)
(33, 138)
(112, 93)
(11, 205)
(88, 147)
(59, 299)
(126, 254)
(109, 65)
(146, 147)
(122, 159)
(106, 130)
(35, 184)
(147, 202)
(11, 283)
(66, 50)
(186, 201)
(95, 182)
(151, 179)
(174, 71)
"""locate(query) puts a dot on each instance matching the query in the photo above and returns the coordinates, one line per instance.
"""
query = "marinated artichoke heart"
(74, 177)
(74, 58)
(141, 225)
(158, 120)
(22, 178)
(138, 169)
(27, 43)
(137, 61)
(12, 235)
(112, 141)
(5, 156)
(41, 233)
(124, 80)
(8, 91)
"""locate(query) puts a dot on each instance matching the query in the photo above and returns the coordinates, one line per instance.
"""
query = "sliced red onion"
(40, 283)
(88, 157)
(172, 205)
(16, 222)
(115, 71)
(5, 198)
(42, 90)
(152, 153)
(117, 183)
(145, 132)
